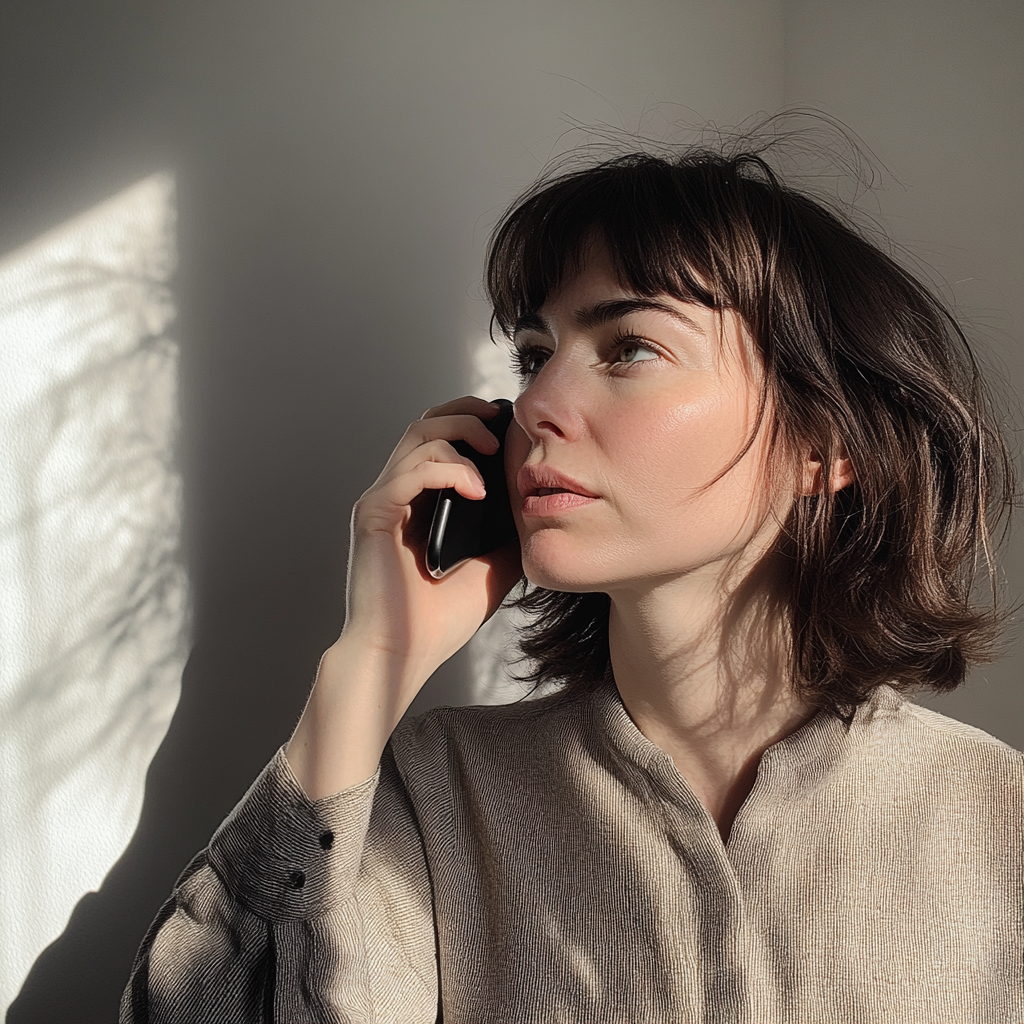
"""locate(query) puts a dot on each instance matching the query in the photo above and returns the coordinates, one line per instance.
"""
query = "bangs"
(662, 224)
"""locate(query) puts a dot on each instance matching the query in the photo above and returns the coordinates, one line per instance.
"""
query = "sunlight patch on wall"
(93, 594)
(491, 374)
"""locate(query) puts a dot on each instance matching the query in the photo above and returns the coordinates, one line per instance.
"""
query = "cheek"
(667, 466)
(675, 450)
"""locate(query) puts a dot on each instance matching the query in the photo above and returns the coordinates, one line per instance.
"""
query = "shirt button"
(326, 840)
(297, 879)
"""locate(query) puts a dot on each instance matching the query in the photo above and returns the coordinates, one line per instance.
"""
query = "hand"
(394, 605)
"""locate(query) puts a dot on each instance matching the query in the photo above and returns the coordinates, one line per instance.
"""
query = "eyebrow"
(605, 312)
(531, 322)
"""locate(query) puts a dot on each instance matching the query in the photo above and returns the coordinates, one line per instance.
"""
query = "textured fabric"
(544, 862)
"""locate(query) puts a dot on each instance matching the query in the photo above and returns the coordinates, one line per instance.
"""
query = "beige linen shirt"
(544, 862)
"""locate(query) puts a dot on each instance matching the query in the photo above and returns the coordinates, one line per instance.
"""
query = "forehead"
(536, 257)
(595, 292)
(595, 276)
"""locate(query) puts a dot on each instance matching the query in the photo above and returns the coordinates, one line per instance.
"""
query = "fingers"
(425, 460)
(431, 466)
(470, 404)
(448, 427)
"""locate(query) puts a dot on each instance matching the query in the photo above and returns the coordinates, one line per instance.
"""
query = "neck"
(703, 671)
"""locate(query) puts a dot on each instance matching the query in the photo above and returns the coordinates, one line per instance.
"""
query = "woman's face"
(630, 407)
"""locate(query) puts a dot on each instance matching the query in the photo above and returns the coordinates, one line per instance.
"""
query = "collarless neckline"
(823, 739)
(805, 757)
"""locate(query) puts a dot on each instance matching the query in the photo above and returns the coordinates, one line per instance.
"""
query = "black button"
(297, 879)
(326, 840)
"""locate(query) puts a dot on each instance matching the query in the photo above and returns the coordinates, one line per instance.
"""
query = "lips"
(543, 480)
(546, 492)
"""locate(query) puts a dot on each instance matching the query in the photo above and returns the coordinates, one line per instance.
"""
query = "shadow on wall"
(93, 594)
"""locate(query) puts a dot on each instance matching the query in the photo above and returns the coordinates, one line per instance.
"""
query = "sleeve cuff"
(286, 857)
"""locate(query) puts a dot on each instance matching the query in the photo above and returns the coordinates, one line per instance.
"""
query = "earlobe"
(842, 474)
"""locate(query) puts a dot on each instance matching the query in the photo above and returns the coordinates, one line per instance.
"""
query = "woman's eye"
(527, 362)
(635, 352)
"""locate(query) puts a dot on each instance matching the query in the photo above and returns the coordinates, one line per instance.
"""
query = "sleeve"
(297, 911)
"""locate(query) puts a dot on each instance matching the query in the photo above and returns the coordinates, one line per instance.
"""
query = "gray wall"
(339, 166)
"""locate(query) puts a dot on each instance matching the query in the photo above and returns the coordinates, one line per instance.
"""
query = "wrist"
(366, 664)
(360, 694)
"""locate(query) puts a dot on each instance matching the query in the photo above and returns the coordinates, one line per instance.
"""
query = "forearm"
(358, 699)
(401, 624)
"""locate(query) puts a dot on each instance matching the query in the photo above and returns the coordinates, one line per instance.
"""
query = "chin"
(552, 562)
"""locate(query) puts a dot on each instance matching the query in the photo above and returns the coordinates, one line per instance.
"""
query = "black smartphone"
(463, 528)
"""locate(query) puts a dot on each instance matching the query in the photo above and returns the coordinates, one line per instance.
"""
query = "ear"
(841, 475)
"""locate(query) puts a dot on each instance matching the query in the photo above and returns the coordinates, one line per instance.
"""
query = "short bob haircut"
(860, 358)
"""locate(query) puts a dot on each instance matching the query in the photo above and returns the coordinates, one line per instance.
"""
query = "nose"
(550, 407)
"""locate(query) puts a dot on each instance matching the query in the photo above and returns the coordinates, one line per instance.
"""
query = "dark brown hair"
(860, 358)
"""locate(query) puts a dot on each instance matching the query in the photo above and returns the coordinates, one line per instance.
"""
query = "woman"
(751, 469)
